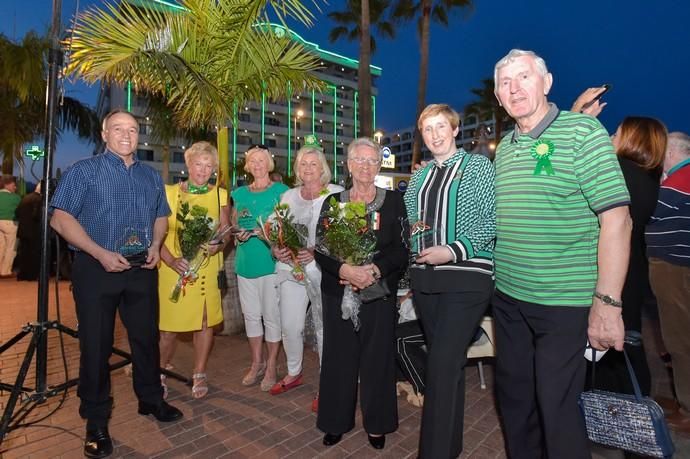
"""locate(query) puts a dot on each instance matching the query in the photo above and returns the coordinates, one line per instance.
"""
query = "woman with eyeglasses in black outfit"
(365, 356)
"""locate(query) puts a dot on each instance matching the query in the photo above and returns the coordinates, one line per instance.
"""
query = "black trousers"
(540, 371)
(449, 321)
(369, 355)
(98, 295)
(411, 353)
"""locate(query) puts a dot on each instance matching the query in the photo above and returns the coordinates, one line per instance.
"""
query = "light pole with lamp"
(299, 114)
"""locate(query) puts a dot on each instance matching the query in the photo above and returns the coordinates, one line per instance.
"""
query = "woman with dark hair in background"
(640, 144)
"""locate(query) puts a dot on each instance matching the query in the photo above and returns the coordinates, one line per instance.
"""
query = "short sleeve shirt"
(253, 257)
(112, 202)
(547, 224)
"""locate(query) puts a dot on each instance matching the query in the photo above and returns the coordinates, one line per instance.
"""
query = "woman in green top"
(256, 267)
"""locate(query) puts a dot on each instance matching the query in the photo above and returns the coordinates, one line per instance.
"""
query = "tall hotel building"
(279, 124)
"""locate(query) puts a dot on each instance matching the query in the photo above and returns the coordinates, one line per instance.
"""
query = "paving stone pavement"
(233, 421)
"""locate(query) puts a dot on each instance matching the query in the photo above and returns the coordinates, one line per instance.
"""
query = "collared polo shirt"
(547, 225)
(111, 201)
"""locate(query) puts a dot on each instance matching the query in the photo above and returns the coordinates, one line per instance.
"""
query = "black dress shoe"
(331, 439)
(377, 442)
(163, 412)
(98, 443)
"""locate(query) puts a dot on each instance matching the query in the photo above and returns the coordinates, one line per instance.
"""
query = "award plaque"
(423, 235)
(134, 245)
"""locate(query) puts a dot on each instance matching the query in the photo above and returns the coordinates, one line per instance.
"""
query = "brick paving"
(233, 421)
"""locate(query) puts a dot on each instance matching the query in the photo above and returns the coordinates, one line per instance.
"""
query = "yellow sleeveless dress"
(187, 313)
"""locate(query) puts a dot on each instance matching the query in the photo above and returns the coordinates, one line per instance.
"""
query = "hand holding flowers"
(286, 238)
(195, 234)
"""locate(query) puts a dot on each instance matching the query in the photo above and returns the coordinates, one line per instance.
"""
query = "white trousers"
(294, 301)
(8, 242)
(259, 301)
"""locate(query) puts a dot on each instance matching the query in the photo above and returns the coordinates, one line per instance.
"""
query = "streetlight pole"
(298, 115)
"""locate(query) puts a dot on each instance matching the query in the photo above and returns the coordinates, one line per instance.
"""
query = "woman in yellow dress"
(199, 306)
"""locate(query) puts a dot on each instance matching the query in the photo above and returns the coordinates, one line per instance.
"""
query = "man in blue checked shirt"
(112, 210)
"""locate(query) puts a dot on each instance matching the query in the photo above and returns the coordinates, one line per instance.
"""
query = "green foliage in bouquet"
(283, 231)
(195, 230)
(347, 235)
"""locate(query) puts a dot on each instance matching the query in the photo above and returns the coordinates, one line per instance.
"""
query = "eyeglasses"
(258, 145)
(369, 161)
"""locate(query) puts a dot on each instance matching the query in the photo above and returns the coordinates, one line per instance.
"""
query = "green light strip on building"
(335, 134)
(356, 99)
(129, 96)
(313, 113)
(263, 112)
(373, 113)
(289, 127)
(234, 144)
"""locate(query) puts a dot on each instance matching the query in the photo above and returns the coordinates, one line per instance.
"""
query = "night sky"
(641, 48)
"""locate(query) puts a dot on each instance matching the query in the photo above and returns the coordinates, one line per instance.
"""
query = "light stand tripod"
(39, 329)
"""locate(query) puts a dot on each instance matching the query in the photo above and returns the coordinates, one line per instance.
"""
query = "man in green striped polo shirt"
(562, 247)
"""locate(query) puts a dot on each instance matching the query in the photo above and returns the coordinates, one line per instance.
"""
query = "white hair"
(680, 143)
(364, 142)
(510, 58)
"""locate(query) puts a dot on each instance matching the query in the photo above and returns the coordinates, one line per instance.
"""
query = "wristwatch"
(606, 299)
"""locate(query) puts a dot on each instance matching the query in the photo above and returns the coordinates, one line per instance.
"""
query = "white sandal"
(200, 386)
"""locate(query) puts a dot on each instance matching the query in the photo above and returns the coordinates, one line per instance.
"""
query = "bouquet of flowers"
(195, 233)
(281, 230)
(348, 237)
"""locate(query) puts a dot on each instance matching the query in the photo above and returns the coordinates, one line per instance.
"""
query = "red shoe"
(315, 404)
(280, 386)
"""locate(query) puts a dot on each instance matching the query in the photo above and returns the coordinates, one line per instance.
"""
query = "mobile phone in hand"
(598, 96)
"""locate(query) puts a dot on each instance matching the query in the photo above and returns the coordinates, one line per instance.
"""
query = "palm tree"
(204, 56)
(426, 11)
(22, 99)
(487, 107)
(354, 23)
(164, 130)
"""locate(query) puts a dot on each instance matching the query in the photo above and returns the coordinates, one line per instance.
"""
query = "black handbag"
(374, 292)
(629, 422)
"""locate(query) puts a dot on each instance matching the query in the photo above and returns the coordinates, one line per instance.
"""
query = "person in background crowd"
(199, 309)
(640, 144)
(562, 248)
(669, 269)
(256, 278)
(451, 210)
(29, 235)
(366, 356)
(305, 200)
(9, 200)
(112, 211)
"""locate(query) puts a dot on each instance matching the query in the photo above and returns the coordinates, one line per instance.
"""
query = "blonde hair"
(439, 109)
(257, 149)
(199, 149)
(325, 169)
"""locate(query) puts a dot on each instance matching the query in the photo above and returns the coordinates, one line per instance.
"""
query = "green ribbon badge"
(542, 151)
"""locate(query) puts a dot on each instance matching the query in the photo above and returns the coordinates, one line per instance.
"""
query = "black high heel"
(331, 439)
(377, 442)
